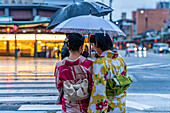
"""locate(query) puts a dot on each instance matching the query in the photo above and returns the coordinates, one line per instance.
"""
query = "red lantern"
(15, 28)
(155, 40)
(162, 40)
(124, 42)
(120, 42)
(8, 29)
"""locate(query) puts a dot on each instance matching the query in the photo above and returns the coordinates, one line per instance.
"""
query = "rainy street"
(27, 84)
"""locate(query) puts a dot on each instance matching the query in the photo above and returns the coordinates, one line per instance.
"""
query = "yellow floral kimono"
(104, 68)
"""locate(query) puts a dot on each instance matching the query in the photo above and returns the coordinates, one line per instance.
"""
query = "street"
(27, 84)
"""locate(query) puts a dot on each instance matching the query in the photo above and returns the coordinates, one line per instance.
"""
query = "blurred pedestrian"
(108, 65)
(85, 52)
(127, 52)
(73, 77)
(58, 52)
(64, 51)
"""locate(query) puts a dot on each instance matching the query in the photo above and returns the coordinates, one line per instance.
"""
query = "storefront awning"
(127, 40)
(37, 20)
(151, 38)
(137, 37)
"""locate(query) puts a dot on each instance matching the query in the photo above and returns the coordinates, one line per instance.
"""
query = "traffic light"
(8, 30)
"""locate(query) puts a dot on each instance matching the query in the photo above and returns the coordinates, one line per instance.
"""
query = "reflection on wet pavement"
(26, 69)
(141, 54)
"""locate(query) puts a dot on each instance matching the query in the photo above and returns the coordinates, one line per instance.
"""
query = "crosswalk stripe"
(136, 105)
(138, 66)
(33, 91)
(26, 78)
(40, 107)
(39, 98)
(25, 81)
(26, 112)
(149, 94)
(26, 85)
(32, 98)
(160, 66)
(25, 74)
(158, 77)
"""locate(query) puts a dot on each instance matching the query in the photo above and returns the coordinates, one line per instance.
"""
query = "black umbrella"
(77, 9)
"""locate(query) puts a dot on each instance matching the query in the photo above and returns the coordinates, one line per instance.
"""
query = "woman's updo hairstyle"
(74, 41)
(104, 41)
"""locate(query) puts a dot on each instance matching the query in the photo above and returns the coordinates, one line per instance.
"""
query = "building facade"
(31, 37)
(149, 19)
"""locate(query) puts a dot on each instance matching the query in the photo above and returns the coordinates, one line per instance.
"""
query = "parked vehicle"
(160, 48)
(169, 49)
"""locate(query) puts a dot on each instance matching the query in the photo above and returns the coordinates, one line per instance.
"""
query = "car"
(169, 49)
(131, 49)
(160, 48)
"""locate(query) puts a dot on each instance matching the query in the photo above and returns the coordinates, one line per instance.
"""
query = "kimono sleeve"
(58, 82)
(98, 100)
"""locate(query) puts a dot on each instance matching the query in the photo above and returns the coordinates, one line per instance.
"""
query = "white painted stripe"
(40, 107)
(18, 77)
(25, 112)
(34, 91)
(139, 66)
(25, 81)
(160, 66)
(155, 77)
(148, 94)
(164, 96)
(129, 63)
(26, 85)
(25, 74)
(136, 105)
(39, 98)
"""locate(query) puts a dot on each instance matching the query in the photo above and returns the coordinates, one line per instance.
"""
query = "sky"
(128, 6)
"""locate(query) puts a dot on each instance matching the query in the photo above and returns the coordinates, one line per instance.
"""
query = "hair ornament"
(66, 40)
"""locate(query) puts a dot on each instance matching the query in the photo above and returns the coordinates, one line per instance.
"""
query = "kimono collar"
(73, 62)
(109, 54)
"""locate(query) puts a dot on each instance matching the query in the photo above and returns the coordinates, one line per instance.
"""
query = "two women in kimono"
(81, 93)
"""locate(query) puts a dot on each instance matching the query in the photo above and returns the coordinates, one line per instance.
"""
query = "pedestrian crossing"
(36, 93)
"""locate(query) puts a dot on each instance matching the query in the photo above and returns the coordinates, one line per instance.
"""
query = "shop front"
(47, 44)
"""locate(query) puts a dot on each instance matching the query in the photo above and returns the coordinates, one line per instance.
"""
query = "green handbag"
(117, 85)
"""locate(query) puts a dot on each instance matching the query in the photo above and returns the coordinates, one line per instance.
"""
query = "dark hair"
(74, 41)
(103, 41)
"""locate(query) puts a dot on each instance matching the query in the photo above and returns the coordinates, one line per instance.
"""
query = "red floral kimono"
(68, 73)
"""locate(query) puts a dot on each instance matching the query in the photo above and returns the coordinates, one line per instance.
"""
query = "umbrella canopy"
(77, 9)
(88, 24)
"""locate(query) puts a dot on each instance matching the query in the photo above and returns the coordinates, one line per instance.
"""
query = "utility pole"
(74, 1)
(169, 17)
(110, 5)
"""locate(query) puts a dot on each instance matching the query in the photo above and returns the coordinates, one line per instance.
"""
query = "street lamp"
(141, 11)
(35, 44)
(110, 5)
(15, 32)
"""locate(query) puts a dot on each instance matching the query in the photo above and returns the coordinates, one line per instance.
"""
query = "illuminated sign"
(6, 18)
(16, 1)
(60, 37)
(38, 1)
(50, 37)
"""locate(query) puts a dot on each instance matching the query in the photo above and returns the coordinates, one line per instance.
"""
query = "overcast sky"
(128, 6)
